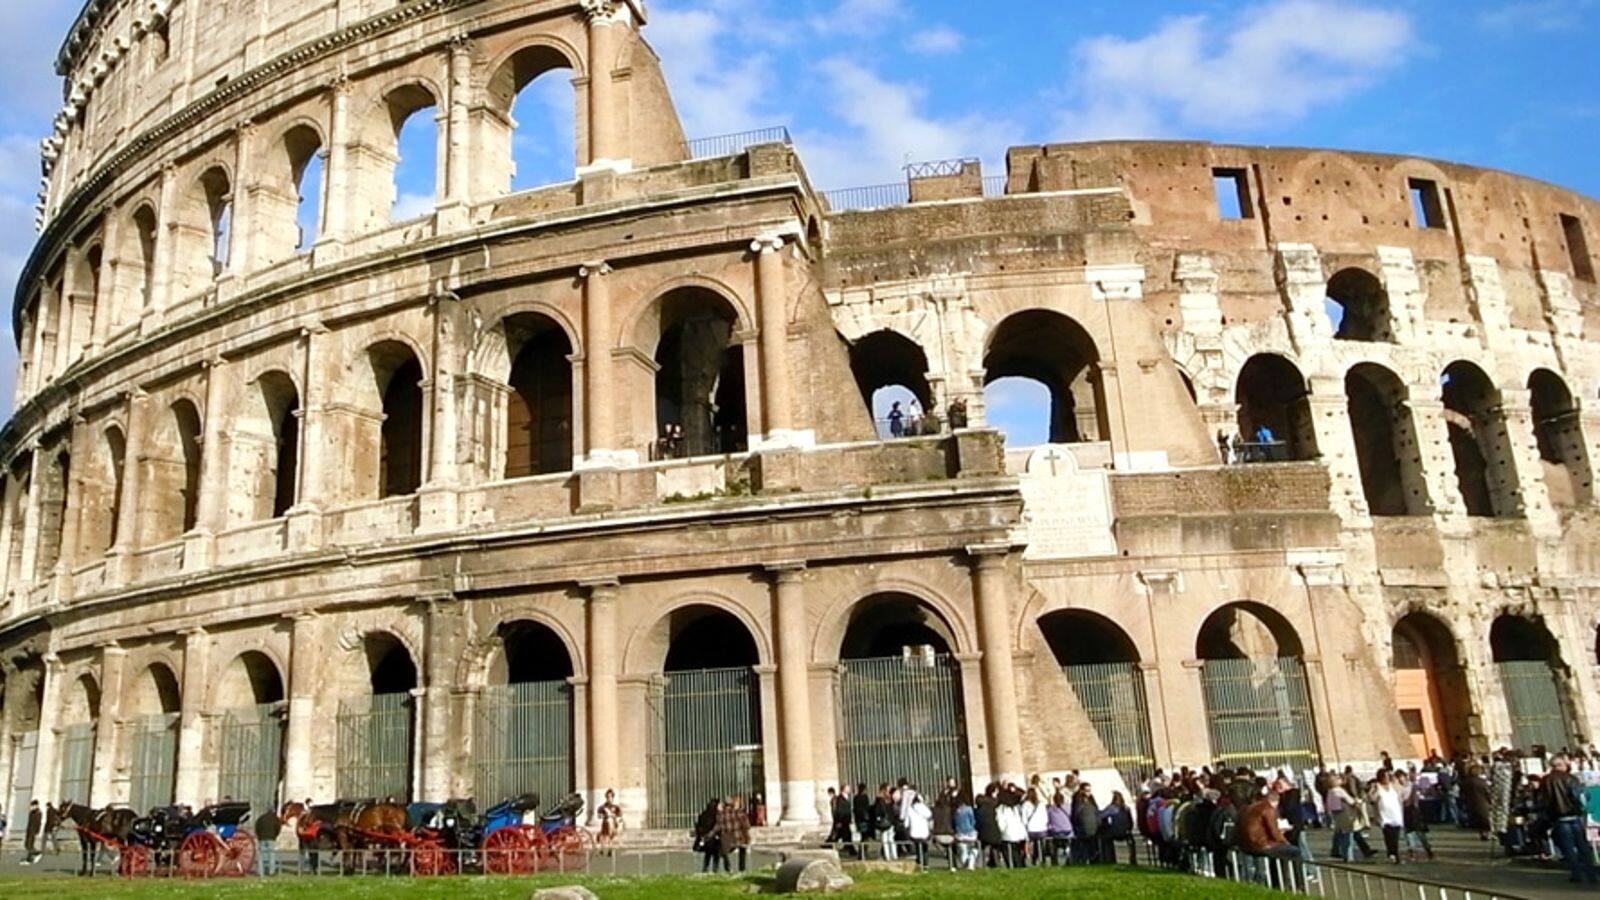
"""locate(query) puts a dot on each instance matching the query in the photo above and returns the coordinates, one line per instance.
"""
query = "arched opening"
(1055, 353)
(263, 454)
(534, 90)
(1534, 679)
(80, 717)
(155, 708)
(523, 739)
(414, 179)
(102, 496)
(251, 697)
(1101, 664)
(1430, 687)
(172, 474)
(700, 379)
(705, 736)
(891, 372)
(19, 487)
(1485, 473)
(53, 515)
(398, 376)
(899, 696)
(1358, 307)
(1387, 451)
(85, 315)
(1258, 705)
(218, 193)
(1275, 422)
(303, 148)
(144, 258)
(539, 407)
(376, 731)
(1559, 432)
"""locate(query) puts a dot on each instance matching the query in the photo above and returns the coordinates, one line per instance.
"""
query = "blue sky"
(866, 85)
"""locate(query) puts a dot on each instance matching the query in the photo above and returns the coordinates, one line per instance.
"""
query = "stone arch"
(81, 702)
(828, 637)
(251, 678)
(1054, 351)
(1558, 431)
(523, 730)
(263, 448)
(530, 422)
(892, 368)
(1388, 453)
(886, 623)
(490, 355)
(1275, 422)
(1254, 684)
(101, 500)
(155, 691)
(1480, 443)
(172, 472)
(394, 105)
(693, 336)
(474, 668)
(512, 76)
(1430, 685)
(1535, 680)
(648, 645)
(383, 383)
(143, 234)
(1358, 306)
(526, 649)
(642, 330)
(53, 499)
(1247, 629)
(1083, 637)
(293, 176)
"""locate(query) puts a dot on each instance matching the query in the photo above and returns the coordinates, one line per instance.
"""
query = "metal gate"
(1534, 700)
(901, 717)
(1113, 697)
(24, 754)
(375, 747)
(252, 755)
(705, 741)
(155, 755)
(522, 742)
(1259, 713)
(77, 763)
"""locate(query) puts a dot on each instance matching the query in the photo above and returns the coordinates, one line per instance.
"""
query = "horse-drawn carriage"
(171, 840)
(511, 845)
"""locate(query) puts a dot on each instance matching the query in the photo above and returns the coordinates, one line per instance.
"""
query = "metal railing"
(995, 185)
(736, 143)
(1312, 878)
(876, 196)
(940, 168)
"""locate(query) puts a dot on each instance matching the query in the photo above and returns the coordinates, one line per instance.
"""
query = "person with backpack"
(1561, 796)
(1223, 834)
(1116, 825)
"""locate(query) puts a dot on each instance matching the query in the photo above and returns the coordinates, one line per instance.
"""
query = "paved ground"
(1462, 859)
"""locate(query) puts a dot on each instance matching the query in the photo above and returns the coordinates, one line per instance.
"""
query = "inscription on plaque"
(1066, 511)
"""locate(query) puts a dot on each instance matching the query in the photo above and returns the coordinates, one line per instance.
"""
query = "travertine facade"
(249, 469)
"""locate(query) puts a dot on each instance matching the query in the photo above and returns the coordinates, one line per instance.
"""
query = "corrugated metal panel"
(375, 743)
(1259, 713)
(77, 763)
(251, 767)
(1534, 700)
(155, 762)
(522, 742)
(902, 717)
(705, 742)
(1112, 695)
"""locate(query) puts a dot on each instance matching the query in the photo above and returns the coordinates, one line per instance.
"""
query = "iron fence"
(251, 767)
(736, 143)
(522, 741)
(995, 185)
(1113, 697)
(1311, 878)
(155, 761)
(1259, 713)
(877, 196)
(375, 740)
(901, 717)
(705, 741)
(77, 762)
(1534, 700)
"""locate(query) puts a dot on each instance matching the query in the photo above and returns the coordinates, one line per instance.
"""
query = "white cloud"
(938, 40)
(716, 92)
(1544, 16)
(886, 126)
(1268, 65)
(409, 206)
(859, 17)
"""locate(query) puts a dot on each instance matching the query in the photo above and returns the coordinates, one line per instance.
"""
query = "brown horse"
(348, 826)
(113, 823)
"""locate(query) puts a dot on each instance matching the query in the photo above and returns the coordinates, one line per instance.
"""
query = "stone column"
(772, 299)
(72, 512)
(241, 232)
(309, 489)
(211, 509)
(438, 494)
(336, 207)
(304, 647)
(458, 161)
(442, 755)
(794, 695)
(113, 665)
(128, 506)
(107, 294)
(165, 255)
(992, 599)
(604, 667)
(1527, 468)
(29, 575)
(45, 771)
(192, 769)
(63, 348)
(8, 515)
(607, 21)
(600, 441)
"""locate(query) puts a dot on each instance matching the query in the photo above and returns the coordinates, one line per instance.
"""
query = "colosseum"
(580, 486)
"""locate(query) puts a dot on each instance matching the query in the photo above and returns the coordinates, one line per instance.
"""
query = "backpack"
(1224, 828)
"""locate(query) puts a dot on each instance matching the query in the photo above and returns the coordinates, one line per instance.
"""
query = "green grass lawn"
(1027, 884)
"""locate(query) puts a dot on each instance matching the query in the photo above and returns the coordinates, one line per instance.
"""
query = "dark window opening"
(1479, 442)
(533, 653)
(1358, 307)
(392, 670)
(892, 625)
(288, 440)
(1387, 451)
(1232, 188)
(1558, 430)
(400, 447)
(1078, 638)
(1044, 353)
(891, 372)
(703, 638)
(1426, 205)
(700, 385)
(1577, 248)
(1275, 423)
(539, 410)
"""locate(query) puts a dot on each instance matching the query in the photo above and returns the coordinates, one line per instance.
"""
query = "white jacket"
(920, 821)
(1035, 817)
(1012, 828)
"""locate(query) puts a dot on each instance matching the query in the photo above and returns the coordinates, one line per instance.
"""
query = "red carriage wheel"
(429, 857)
(507, 851)
(200, 855)
(567, 849)
(238, 855)
(134, 861)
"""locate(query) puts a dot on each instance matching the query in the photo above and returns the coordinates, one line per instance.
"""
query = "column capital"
(602, 588)
(594, 267)
(301, 615)
(193, 631)
(786, 571)
(440, 298)
(989, 554)
(461, 43)
(111, 648)
(607, 12)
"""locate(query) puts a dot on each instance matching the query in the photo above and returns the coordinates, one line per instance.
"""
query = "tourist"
(989, 837)
(289, 840)
(1116, 825)
(1036, 819)
(31, 833)
(897, 421)
(610, 815)
(1391, 812)
(1475, 806)
(964, 821)
(758, 811)
(919, 827)
(705, 836)
(944, 807)
(1013, 831)
(1058, 827)
(1416, 824)
(839, 815)
(267, 826)
(861, 805)
(1086, 825)
(1259, 835)
(883, 824)
(1562, 798)
(733, 831)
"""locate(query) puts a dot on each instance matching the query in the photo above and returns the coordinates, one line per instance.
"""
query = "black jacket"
(863, 809)
(988, 811)
(841, 810)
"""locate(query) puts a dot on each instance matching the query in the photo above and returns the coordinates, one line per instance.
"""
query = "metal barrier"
(1311, 878)
(734, 144)
(877, 196)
